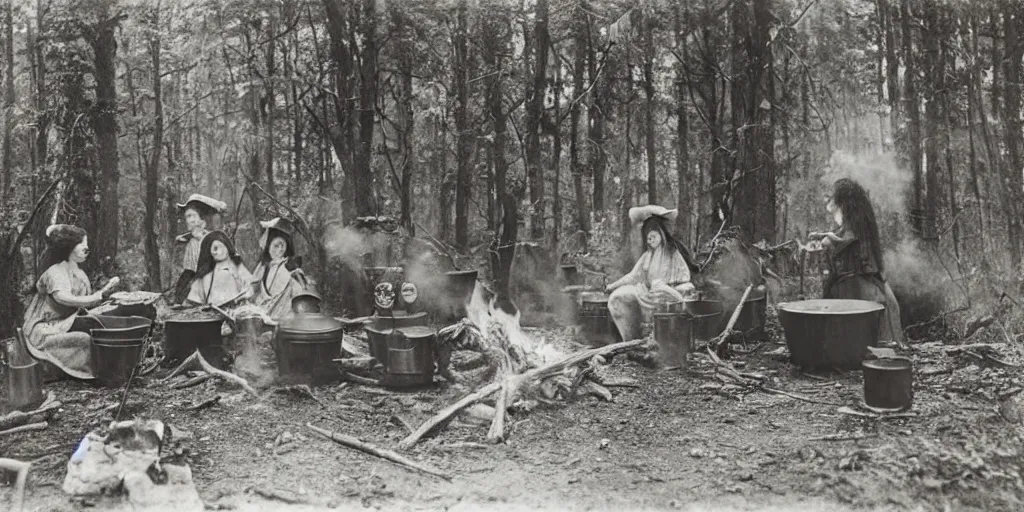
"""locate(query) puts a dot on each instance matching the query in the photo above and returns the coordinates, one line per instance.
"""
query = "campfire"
(520, 369)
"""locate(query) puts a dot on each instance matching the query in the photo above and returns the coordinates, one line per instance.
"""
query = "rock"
(105, 455)
(175, 492)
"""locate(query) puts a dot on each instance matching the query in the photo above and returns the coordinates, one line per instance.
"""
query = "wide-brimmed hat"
(207, 203)
(280, 224)
(638, 214)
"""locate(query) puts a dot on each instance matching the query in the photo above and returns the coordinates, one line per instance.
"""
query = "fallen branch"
(853, 412)
(732, 320)
(447, 413)
(797, 396)
(364, 447)
(356, 379)
(842, 437)
(25, 428)
(197, 358)
(194, 381)
(21, 469)
(205, 404)
(15, 418)
(284, 496)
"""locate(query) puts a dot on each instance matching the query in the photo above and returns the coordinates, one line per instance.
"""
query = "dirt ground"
(668, 444)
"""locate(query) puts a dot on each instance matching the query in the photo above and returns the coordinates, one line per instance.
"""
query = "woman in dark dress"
(855, 255)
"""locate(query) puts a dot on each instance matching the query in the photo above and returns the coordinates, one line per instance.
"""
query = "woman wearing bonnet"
(198, 211)
(54, 330)
(662, 274)
(279, 276)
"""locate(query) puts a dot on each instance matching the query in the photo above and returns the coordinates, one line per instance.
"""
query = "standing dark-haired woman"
(53, 330)
(855, 255)
(662, 274)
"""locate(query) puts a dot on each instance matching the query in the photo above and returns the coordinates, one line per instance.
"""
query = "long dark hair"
(858, 216)
(206, 263)
(657, 222)
(60, 241)
(289, 250)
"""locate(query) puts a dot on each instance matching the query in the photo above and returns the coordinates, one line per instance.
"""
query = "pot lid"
(416, 331)
(310, 323)
(831, 306)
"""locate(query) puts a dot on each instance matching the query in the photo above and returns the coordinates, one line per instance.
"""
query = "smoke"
(877, 172)
(424, 271)
(249, 364)
(917, 279)
(345, 244)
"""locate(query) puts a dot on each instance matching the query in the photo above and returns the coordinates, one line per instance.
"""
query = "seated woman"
(855, 255)
(221, 278)
(198, 211)
(54, 331)
(662, 274)
(278, 277)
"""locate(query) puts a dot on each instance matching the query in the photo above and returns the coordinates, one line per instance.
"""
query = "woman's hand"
(114, 281)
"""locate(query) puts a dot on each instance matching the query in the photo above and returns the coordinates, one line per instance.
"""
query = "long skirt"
(67, 345)
(628, 305)
(870, 287)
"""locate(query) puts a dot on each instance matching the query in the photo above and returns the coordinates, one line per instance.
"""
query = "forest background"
(477, 123)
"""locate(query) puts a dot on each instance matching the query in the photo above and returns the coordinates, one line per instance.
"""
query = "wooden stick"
(497, 431)
(197, 357)
(841, 437)
(732, 319)
(447, 413)
(193, 381)
(360, 380)
(364, 447)
(797, 396)
(25, 428)
(15, 418)
(22, 469)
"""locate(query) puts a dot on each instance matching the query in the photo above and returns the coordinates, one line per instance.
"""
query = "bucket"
(596, 324)
(889, 383)
(830, 333)
(25, 386)
(706, 326)
(674, 335)
(752, 318)
(112, 363)
(121, 330)
(410, 358)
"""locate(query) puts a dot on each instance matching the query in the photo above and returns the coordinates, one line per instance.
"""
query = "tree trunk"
(271, 102)
(598, 158)
(576, 167)
(556, 162)
(406, 121)
(753, 203)
(682, 133)
(647, 43)
(363, 191)
(8, 108)
(153, 165)
(934, 68)
(892, 65)
(503, 243)
(104, 47)
(339, 30)
(972, 98)
(534, 113)
(914, 118)
(1013, 23)
(463, 184)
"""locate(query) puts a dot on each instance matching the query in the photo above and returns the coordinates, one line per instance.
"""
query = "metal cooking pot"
(183, 335)
(306, 346)
(830, 333)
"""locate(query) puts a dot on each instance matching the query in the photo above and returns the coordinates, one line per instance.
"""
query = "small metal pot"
(889, 383)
